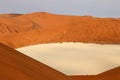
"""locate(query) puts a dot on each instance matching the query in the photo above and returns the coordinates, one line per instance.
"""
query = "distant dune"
(16, 66)
(42, 27)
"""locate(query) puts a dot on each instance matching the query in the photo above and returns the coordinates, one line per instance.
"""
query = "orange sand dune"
(17, 66)
(42, 27)
(113, 74)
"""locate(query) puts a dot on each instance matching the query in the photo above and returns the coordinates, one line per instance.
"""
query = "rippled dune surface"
(18, 30)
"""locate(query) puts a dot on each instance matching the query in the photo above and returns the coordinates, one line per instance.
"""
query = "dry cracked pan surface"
(18, 30)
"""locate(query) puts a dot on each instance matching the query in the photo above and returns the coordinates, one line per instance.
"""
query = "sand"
(19, 30)
(41, 27)
(17, 66)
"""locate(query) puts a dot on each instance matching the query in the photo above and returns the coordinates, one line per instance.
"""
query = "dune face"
(42, 27)
(16, 66)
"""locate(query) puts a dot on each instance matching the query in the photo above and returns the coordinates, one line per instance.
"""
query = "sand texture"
(18, 30)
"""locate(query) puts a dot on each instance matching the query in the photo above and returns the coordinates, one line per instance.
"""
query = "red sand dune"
(42, 27)
(17, 66)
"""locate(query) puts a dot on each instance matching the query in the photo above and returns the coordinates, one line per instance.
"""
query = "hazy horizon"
(102, 8)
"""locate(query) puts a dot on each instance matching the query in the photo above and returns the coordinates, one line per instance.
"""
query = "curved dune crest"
(43, 27)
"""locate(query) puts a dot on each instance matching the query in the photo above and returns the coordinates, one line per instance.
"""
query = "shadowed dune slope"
(42, 27)
(113, 74)
(10, 15)
(16, 66)
(83, 77)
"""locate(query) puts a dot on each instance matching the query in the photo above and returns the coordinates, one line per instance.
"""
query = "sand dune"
(18, 30)
(42, 27)
(16, 66)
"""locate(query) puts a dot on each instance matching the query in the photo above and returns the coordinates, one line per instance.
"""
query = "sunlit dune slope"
(16, 66)
(43, 27)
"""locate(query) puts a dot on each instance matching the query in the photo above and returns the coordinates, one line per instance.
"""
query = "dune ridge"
(43, 27)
